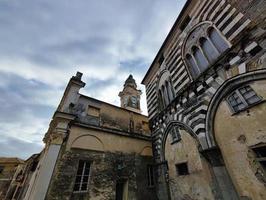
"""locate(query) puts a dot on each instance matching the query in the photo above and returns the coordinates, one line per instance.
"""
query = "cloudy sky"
(43, 43)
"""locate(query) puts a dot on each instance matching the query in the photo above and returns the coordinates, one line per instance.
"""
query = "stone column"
(54, 139)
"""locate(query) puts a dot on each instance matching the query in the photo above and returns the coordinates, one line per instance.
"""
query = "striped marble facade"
(192, 100)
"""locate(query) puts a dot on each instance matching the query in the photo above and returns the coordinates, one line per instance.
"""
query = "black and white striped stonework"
(225, 17)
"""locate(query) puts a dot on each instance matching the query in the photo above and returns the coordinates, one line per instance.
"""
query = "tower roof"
(130, 81)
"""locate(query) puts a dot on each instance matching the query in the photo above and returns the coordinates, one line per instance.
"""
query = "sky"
(45, 42)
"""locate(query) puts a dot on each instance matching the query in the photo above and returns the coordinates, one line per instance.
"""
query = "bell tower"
(130, 95)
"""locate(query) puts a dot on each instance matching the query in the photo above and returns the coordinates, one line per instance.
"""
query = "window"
(82, 178)
(216, 38)
(202, 48)
(150, 176)
(202, 61)
(242, 98)
(1, 169)
(209, 50)
(175, 134)
(181, 169)
(260, 152)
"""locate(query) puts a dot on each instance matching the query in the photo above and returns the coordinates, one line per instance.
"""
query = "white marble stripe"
(209, 80)
(185, 119)
(183, 84)
(226, 18)
(198, 127)
(179, 79)
(209, 9)
(175, 116)
(211, 90)
(216, 10)
(173, 66)
(222, 13)
(202, 11)
(203, 2)
(250, 47)
(180, 71)
(233, 23)
(180, 117)
(176, 68)
(200, 116)
(244, 25)
(219, 80)
(174, 56)
(202, 107)
(200, 88)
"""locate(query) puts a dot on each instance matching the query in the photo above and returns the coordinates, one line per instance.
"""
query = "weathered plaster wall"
(115, 117)
(196, 185)
(234, 135)
(103, 176)
(84, 138)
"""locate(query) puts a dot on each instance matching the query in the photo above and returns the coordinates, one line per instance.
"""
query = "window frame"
(150, 176)
(259, 158)
(243, 100)
(85, 162)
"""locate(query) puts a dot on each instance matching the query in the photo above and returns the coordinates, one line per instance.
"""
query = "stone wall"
(103, 175)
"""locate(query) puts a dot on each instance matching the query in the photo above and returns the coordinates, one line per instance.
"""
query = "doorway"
(121, 192)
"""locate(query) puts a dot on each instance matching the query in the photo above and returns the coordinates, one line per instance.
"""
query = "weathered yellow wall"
(118, 118)
(196, 185)
(234, 135)
(90, 139)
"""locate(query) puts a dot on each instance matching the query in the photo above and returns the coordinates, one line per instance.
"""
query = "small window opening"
(260, 153)
(82, 177)
(150, 173)
(1, 169)
(182, 169)
(161, 59)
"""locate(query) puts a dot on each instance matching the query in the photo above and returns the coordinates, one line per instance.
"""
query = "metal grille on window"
(242, 98)
(82, 178)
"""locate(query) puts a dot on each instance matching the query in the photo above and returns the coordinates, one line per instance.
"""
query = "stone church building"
(205, 134)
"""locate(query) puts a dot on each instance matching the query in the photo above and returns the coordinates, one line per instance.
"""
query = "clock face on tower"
(134, 101)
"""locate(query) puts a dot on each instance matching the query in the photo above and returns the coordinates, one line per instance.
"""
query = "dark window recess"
(185, 23)
(161, 59)
(256, 50)
(182, 169)
(261, 155)
(150, 174)
(82, 177)
(34, 166)
(1, 169)
(242, 98)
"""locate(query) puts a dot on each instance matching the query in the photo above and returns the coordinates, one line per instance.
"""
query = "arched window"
(201, 60)
(192, 66)
(209, 50)
(203, 46)
(165, 95)
(218, 41)
(166, 92)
